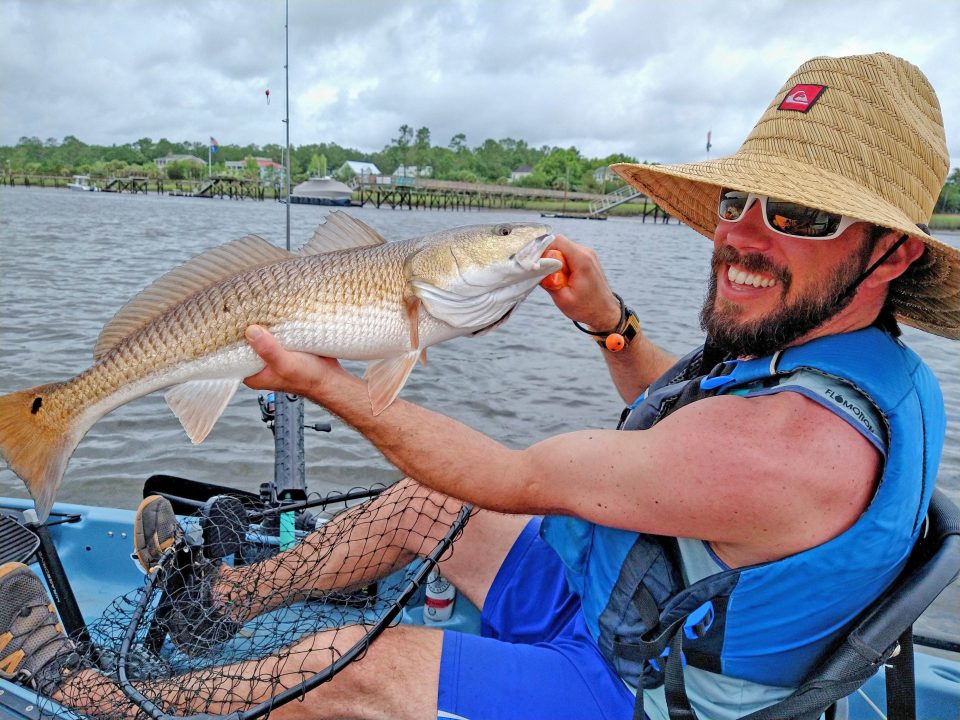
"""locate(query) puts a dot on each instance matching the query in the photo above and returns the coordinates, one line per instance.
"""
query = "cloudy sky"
(644, 77)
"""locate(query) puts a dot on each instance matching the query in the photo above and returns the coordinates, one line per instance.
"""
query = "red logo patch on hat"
(802, 97)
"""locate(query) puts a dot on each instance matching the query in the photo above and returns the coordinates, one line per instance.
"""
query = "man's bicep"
(726, 468)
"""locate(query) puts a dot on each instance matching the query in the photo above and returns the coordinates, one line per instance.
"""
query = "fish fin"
(34, 446)
(413, 315)
(340, 231)
(386, 377)
(198, 404)
(196, 274)
(423, 357)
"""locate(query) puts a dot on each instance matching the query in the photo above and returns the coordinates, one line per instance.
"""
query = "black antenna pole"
(289, 475)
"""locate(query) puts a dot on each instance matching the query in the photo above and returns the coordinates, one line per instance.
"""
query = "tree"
(562, 169)
(317, 166)
(402, 144)
(949, 201)
(421, 149)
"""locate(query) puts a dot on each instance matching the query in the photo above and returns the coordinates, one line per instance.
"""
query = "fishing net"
(231, 623)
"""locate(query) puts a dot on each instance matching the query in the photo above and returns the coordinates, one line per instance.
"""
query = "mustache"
(751, 262)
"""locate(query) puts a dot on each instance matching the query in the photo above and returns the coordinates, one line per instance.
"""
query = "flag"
(708, 140)
(214, 144)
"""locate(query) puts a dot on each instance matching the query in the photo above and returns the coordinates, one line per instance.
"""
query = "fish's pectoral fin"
(198, 404)
(423, 357)
(385, 378)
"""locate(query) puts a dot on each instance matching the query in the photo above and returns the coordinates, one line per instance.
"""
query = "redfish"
(347, 294)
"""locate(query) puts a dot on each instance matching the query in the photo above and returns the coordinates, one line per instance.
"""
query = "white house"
(604, 174)
(412, 171)
(520, 173)
(357, 168)
(162, 162)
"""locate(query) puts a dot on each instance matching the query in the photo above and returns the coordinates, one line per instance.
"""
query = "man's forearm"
(433, 449)
(636, 366)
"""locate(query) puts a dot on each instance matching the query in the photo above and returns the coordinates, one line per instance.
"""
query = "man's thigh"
(483, 678)
(535, 657)
(478, 554)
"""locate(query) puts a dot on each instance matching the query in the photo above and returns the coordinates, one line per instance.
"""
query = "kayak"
(85, 556)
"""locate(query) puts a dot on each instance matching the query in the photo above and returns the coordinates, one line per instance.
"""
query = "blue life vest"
(768, 623)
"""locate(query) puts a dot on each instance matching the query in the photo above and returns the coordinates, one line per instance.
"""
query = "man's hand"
(586, 297)
(297, 373)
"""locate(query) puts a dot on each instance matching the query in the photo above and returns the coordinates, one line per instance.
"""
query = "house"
(269, 169)
(355, 168)
(604, 174)
(520, 173)
(413, 171)
(162, 162)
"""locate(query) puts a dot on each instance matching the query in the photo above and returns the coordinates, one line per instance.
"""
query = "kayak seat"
(882, 637)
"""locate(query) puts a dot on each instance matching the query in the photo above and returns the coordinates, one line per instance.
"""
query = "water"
(68, 261)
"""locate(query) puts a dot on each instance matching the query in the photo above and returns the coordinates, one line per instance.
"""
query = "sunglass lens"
(800, 220)
(732, 203)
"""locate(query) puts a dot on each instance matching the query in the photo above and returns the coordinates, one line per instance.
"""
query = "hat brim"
(690, 192)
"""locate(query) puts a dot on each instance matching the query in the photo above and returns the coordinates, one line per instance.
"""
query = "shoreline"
(940, 222)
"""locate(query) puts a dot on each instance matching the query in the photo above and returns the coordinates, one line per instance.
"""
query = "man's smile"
(738, 276)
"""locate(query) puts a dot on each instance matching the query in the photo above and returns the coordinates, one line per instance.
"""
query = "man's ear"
(898, 262)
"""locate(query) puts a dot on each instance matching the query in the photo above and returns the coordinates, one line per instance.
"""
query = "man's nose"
(751, 233)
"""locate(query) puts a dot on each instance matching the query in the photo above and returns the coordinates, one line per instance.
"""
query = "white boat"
(321, 191)
(82, 182)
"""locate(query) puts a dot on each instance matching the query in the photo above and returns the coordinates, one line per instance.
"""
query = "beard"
(788, 323)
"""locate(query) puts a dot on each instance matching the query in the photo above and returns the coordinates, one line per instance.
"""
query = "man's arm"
(588, 299)
(759, 477)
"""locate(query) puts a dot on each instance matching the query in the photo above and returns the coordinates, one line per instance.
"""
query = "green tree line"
(492, 161)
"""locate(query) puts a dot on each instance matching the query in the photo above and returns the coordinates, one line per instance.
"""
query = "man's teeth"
(742, 277)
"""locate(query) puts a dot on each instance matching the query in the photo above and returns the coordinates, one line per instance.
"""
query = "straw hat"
(861, 136)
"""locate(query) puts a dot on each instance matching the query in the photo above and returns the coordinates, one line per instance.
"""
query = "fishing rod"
(289, 472)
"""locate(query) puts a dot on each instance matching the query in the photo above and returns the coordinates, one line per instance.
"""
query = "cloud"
(645, 78)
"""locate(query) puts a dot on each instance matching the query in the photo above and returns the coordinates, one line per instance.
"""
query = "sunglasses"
(784, 218)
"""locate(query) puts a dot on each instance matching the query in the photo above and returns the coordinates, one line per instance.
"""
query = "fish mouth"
(530, 256)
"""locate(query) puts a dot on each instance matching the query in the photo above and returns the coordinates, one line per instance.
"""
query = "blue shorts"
(535, 657)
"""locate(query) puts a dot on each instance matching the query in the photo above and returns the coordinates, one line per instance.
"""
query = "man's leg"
(396, 678)
(370, 541)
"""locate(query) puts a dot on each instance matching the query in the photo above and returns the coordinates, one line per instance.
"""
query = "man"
(794, 474)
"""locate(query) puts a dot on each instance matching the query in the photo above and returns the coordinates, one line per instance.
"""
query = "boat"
(82, 182)
(322, 191)
(111, 610)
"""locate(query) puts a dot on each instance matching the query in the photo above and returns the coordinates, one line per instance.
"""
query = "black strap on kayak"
(900, 680)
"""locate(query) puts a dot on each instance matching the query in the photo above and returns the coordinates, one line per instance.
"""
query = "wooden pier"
(229, 186)
(379, 191)
(132, 184)
(425, 194)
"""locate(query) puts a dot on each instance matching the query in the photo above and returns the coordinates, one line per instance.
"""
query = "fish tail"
(35, 448)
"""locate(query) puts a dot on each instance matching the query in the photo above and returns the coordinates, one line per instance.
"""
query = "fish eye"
(502, 230)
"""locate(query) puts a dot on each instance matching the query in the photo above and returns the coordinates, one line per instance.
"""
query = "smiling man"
(759, 492)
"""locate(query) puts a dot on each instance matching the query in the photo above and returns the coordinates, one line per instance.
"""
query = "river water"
(70, 260)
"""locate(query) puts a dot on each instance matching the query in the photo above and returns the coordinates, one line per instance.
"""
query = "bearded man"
(760, 491)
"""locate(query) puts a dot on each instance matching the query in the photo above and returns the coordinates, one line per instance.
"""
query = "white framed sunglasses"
(784, 218)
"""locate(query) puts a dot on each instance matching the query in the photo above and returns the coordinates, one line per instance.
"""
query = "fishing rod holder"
(268, 412)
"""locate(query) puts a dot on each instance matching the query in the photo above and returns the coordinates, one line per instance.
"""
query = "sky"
(648, 78)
